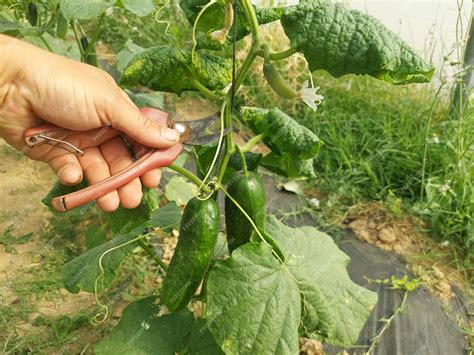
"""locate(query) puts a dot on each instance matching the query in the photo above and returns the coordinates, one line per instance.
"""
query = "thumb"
(126, 117)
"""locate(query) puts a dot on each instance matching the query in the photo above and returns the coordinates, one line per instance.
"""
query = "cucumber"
(197, 239)
(276, 82)
(32, 14)
(249, 192)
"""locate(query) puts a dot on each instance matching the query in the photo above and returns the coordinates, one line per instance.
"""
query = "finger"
(67, 168)
(117, 156)
(128, 119)
(152, 178)
(95, 168)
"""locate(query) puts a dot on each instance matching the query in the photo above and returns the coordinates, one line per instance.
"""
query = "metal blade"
(199, 132)
(206, 139)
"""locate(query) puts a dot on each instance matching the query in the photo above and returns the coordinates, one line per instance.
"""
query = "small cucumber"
(249, 192)
(276, 82)
(32, 14)
(197, 239)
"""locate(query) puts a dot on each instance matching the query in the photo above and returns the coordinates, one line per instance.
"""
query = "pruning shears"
(195, 132)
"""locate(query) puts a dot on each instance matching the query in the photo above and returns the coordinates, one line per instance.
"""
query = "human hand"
(38, 87)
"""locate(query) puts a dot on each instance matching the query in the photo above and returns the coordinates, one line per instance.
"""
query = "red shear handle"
(156, 158)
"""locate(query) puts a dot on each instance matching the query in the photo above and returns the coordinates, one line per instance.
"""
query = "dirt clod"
(311, 347)
(387, 235)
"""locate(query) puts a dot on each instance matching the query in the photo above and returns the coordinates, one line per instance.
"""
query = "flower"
(310, 96)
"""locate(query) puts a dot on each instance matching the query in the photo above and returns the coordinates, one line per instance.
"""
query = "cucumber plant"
(276, 283)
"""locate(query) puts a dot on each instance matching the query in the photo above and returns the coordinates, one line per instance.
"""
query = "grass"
(387, 143)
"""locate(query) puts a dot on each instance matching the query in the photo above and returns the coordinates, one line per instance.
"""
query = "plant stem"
(242, 158)
(205, 91)
(76, 35)
(187, 173)
(94, 36)
(229, 145)
(152, 253)
(45, 42)
(252, 142)
(252, 17)
(282, 55)
(243, 70)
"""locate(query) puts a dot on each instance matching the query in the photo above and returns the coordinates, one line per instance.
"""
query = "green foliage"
(124, 220)
(213, 19)
(171, 69)
(7, 239)
(286, 165)
(314, 275)
(142, 330)
(139, 7)
(282, 134)
(343, 41)
(82, 272)
(84, 9)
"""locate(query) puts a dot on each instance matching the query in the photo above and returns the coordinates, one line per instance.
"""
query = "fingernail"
(170, 134)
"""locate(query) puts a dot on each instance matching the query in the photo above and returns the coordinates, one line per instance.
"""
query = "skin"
(38, 88)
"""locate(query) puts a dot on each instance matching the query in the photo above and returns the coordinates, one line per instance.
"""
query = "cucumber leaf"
(139, 7)
(123, 220)
(84, 9)
(82, 272)
(256, 305)
(155, 99)
(213, 19)
(289, 167)
(283, 135)
(142, 331)
(343, 41)
(171, 69)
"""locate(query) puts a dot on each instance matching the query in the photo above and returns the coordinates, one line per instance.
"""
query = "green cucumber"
(32, 14)
(197, 239)
(276, 82)
(249, 193)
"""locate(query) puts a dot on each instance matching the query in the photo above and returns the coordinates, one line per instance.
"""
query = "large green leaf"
(142, 331)
(286, 165)
(256, 304)
(124, 220)
(169, 68)
(282, 133)
(139, 7)
(82, 272)
(84, 9)
(213, 19)
(343, 41)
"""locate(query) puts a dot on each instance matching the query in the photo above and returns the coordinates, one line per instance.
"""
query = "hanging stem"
(282, 55)
(185, 172)
(252, 142)
(204, 90)
(152, 253)
(242, 158)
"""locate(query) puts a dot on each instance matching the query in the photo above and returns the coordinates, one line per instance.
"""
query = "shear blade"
(202, 131)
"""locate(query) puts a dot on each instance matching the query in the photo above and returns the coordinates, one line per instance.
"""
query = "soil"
(431, 261)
